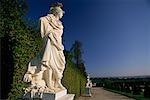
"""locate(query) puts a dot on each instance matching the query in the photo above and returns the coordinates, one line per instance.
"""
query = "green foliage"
(15, 39)
(74, 80)
(26, 44)
(11, 13)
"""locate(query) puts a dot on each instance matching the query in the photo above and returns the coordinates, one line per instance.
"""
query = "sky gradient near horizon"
(115, 34)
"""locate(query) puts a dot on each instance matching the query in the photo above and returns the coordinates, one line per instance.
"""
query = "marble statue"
(88, 86)
(89, 82)
(45, 71)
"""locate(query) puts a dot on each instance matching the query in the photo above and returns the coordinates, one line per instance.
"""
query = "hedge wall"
(74, 80)
(26, 44)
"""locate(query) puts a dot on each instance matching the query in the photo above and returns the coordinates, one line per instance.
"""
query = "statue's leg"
(48, 79)
(58, 84)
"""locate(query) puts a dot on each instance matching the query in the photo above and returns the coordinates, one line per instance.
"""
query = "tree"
(76, 50)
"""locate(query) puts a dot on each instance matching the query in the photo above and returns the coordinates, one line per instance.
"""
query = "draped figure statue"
(45, 71)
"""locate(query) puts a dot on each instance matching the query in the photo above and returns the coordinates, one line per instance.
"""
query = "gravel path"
(101, 94)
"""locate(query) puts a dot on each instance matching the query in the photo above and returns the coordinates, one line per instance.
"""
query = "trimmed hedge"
(26, 44)
(74, 80)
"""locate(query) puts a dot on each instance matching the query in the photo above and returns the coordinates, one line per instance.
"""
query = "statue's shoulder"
(48, 17)
(43, 18)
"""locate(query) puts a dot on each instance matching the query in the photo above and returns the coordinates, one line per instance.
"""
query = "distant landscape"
(137, 87)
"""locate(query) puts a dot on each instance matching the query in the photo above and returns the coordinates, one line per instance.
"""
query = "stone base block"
(67, 97)
(61, 95)
(88, 92)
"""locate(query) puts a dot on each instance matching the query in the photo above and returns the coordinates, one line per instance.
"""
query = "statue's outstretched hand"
(27, 77)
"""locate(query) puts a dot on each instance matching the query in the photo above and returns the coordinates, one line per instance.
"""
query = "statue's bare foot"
(49, 90)
(57, 89)
(61, 86)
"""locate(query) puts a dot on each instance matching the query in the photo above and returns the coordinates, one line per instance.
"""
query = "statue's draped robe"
(52, 53)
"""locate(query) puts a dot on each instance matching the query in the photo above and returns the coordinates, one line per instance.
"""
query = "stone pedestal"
(88, 92)
(61, 95)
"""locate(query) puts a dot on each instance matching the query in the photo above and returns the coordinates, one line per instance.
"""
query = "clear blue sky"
(115, 34)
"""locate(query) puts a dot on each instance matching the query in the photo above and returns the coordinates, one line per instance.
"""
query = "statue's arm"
(55, 42)
(42, 27)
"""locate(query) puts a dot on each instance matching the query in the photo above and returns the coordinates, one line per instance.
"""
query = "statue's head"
(56, 9)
